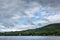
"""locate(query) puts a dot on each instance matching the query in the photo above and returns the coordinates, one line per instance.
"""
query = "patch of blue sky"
(49, 13)
(35, 19)
(46, 13)
(42, 11)
(23, 21)
(37, 14)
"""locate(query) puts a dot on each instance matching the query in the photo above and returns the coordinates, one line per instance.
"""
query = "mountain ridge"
(48, 30)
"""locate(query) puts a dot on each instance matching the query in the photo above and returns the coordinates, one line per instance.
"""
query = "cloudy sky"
(17, 15)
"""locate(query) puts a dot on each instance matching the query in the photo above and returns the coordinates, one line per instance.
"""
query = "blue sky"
(17, 15)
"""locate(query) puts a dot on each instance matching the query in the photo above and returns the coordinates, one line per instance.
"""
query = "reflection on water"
(29, 38)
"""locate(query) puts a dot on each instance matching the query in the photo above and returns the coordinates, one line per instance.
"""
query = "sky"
(18, 15)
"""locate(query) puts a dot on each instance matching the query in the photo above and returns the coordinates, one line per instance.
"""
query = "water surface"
(29, 37)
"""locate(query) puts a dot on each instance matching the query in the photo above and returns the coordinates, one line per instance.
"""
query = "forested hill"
(49, 30)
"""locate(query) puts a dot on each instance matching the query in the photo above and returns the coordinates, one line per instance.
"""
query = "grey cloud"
(10, 8)
(51, 5)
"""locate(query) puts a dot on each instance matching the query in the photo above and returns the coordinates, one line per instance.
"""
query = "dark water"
(29, 37)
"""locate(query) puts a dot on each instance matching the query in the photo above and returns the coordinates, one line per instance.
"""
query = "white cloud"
(54, 19)
(2, 27)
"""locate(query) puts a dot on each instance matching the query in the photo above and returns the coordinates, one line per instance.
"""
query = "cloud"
(16, 15)
(54, 19)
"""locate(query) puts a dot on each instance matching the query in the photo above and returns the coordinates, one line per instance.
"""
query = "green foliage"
(49, 30)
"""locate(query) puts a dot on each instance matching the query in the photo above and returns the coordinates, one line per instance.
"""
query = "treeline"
(49, 30)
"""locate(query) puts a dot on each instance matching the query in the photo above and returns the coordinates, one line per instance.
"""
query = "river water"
(29, 37)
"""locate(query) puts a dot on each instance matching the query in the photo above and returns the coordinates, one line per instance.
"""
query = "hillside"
(48, 30)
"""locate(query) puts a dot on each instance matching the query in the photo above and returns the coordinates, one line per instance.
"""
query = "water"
(29, 37)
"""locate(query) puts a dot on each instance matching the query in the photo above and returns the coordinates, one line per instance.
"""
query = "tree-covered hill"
(49, 30)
